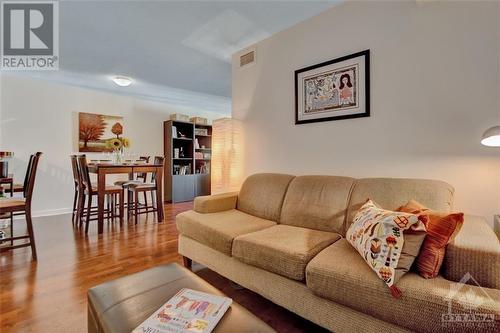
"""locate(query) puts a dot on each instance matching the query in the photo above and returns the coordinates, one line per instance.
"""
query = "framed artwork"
(96, 129)
(333, 90)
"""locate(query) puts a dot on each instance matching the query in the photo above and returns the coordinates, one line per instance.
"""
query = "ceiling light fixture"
(491, 137)
(122, 81)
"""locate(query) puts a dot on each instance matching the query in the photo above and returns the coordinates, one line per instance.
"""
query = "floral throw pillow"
(378, 235)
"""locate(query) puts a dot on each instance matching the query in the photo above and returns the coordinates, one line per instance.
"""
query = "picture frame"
(95, 130)
(333, 90)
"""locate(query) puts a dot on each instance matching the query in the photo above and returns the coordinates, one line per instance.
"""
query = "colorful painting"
(96, 129)
(336, 89)
(332, 90)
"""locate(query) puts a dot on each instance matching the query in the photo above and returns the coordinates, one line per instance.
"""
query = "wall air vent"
(247, 58)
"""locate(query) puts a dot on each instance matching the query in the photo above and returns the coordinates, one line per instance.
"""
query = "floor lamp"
(227, 155)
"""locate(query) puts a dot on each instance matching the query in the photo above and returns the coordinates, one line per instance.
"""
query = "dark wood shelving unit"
(185, 187)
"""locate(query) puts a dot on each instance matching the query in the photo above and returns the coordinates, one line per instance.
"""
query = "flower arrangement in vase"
(118, 144)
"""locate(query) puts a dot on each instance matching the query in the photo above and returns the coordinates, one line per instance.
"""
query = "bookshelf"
(188, 152)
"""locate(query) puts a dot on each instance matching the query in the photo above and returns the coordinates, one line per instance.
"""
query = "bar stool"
(79, 195)
(135, 208)
(89, 190)
(140, 178)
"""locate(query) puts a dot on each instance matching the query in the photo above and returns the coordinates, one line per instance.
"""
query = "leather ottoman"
(122, 304)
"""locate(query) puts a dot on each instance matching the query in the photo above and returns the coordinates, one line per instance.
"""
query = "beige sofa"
(282, 237)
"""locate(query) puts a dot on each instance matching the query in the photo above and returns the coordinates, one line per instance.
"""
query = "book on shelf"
(204, 168)
(182, 169)
(188, 311)
(200, 131)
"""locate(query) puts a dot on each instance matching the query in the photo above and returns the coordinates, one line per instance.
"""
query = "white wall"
(42, 116)
(434, 87)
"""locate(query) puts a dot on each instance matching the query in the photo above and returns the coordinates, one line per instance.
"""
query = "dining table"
(104, 169)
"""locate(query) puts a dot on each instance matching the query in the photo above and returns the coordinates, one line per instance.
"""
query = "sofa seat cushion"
(282, 249)
(218, 230)
(340, 274)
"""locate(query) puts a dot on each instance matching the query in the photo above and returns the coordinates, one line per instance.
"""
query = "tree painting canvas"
(332, 90)
(96, 129)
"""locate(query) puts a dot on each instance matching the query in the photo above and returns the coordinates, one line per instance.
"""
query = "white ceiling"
(168, 47)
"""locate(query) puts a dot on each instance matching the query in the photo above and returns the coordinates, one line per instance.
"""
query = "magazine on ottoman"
(188, 311)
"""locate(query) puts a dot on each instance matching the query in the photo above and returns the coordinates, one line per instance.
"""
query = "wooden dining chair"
(139, 178)
(143, 176)
(79, 194)
(89, 191)
(76, 180)
(17, 188)
(81, 210)
(22, 206)
(133, 189)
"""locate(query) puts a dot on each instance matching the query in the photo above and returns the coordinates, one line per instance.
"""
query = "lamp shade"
(491, 137)
(227, 155)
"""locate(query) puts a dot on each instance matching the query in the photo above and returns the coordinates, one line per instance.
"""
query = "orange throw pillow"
(441, 229)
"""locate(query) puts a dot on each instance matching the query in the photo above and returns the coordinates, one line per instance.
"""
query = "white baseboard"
(51, 212)
(48, 212)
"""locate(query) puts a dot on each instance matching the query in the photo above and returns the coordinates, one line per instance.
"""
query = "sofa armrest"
(215, 203)
(475, 250)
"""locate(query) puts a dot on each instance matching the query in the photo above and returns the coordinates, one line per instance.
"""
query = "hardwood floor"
(50, 295)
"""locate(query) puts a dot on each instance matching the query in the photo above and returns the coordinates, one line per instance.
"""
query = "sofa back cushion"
(391, 193)
(262, 195)
(317, 202)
